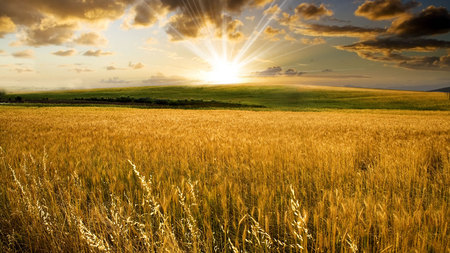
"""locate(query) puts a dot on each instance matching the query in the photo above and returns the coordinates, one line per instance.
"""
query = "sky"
(76, 44)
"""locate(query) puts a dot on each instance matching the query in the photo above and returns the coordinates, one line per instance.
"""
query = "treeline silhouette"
(131, 101)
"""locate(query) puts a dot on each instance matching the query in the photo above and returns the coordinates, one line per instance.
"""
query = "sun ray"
(224, 57)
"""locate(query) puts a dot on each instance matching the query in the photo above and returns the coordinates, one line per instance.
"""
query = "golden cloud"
(97, 53)
(69, 52)
(384, 9)
(24, 54)
(91, 39)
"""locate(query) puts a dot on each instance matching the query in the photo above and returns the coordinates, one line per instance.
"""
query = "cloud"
(232, 29)
(403, 36)
(188, 20)
(441, 63)
(430, 21)
(277, 71)
(91, 39)
(314, 41)
(384, 9)
(49, 34)
(97, 53)
(292, 72)
(382, 45)
(310, 11)
(338, 31)
(271, 33)
(24, 54)
(303, 11)
(69, 52)
(79, 68)
(50, 22)
(26, 12)
(147, 12)
(274, 10)
(390, 50)
(161, 79)
(6, 26)
(287, 20)
(19, 68)
(271, 71)
(136, 66)
(114, 80)
(111, 67)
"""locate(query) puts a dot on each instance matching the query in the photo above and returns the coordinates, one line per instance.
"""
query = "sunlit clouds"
(391, 43)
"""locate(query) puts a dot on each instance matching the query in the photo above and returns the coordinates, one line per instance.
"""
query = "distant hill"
(446, 89)
(251, 96)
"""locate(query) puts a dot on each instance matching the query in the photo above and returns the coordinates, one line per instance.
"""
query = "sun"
(223, 72)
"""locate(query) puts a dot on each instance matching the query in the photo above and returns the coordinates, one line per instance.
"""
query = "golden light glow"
(223, 72)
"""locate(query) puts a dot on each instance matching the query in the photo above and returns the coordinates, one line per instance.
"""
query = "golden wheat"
(129, 180)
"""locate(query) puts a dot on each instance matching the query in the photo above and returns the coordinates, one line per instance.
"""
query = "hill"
(445, 89)
(261, 97)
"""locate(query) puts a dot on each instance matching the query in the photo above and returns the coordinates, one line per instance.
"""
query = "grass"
(272, 97)
(130, 180)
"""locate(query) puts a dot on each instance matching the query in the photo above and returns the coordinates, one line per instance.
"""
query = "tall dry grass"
(128, 180)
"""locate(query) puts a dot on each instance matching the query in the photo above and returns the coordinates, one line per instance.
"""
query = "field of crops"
(118, 179)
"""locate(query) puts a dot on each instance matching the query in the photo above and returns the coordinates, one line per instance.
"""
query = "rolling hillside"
(261, 97)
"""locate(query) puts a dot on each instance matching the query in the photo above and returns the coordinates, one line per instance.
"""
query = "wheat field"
(135, 180)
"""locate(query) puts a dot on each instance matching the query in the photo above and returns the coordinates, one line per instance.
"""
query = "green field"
(271, 97)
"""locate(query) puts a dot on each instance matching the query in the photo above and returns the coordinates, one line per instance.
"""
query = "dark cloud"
(397, 44)
(384, 9)
(277, 71)
(427, 63)
(292, 72)
(24, 54)
(147, 12)
(69, 52)
(311, 11)
(91, 39)
(441, 63)
(339, 31)
(430, 21)
(390, 50)
(404, 37)
(97, 53)
(271, 71)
